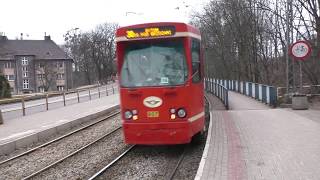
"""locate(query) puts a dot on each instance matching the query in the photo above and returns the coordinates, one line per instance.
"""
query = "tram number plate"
(152, 113)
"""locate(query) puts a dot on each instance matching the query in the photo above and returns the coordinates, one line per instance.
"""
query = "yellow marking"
(152, 114)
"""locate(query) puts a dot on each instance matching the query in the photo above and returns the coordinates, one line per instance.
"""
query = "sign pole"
(300, 67)
(300, 51)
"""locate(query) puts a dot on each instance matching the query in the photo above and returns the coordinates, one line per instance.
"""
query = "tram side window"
(195, 53)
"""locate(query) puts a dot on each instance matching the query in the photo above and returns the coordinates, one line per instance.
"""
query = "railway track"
(59, 138)
(101, 171)
(134, 156)
(17, 162)
(175, 169)
(70, 155)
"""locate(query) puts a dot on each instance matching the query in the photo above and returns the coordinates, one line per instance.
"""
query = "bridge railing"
(264, 93)
(218, 90)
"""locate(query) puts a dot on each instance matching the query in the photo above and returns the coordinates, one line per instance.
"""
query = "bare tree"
(47, 75)
(93, 52)
(245, 40)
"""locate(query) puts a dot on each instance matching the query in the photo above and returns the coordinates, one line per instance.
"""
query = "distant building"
(35, 65)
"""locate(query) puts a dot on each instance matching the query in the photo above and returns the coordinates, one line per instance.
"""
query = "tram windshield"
(154, 64)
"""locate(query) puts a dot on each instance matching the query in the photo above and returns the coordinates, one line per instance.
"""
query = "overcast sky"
(35, 17)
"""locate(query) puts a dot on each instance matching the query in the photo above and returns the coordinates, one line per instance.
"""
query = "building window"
(41, 65)
(59, 64)
(8, 65)
(10, 77)
(60, 88)
(60, 76)
(24, 61)
(25, 84)
(24, 68)
(40, 76)
(25, 74)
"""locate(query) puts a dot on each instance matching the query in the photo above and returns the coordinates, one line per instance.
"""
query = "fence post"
(250, 89)
(78, 96)
(64, 99)
(106, 90)
(247, 88)
(99, 91)
(264, 94)
(1, 118)
(89, 95)
(257, 91)
(268, 94)
(112, 89)
(216, 87)
(23, 107)
(47, 103)
(260, 92)
(227, 100)
(273, 96)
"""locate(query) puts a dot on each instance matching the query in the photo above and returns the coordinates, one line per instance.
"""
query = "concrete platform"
(21, 132)
(260, 143)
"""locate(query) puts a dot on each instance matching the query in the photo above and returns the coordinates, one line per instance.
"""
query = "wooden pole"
(1, 118)
(64, 99)
(23, 107)
(47, 102)
(78, 96)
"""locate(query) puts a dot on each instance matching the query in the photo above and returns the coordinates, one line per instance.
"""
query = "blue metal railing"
(264, 93)
(218, 90)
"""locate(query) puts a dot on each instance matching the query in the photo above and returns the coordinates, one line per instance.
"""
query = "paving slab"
(241, 102)
(278, 144)
(20, 132)
(259, 143)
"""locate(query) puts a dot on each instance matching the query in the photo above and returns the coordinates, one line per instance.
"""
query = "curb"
(10, 146)
(206, 148)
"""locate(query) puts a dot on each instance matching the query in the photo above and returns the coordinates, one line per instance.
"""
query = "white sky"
(56, 17)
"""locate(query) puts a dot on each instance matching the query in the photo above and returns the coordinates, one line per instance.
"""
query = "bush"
(4, 87)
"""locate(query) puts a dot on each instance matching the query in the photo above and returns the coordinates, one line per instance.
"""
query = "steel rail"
(70, 155)
(111, 163)
(59, 138)
(178, 163)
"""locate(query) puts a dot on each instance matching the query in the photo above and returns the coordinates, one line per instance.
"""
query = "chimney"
(47, 38)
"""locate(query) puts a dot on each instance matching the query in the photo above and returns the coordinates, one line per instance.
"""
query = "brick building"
(35, 65)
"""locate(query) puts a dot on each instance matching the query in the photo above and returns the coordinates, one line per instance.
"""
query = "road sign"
(300, 50)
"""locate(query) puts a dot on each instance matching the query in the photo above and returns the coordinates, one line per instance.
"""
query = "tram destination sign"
(300, 50)
(150, 32)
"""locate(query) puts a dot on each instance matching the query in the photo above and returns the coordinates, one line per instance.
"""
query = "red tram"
(160, 70)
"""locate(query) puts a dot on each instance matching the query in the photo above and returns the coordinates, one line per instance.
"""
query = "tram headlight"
(181, 113)
(128, 114)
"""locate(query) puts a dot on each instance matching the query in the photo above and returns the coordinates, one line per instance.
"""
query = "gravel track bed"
(190, 163)
(88, 161)
(145, 162)
(24, 149)
(30, 163)
(157, 162)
